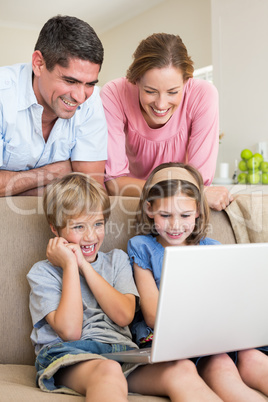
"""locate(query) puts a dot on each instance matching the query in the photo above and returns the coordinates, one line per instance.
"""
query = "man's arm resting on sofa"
(94, 169)
(27, 182)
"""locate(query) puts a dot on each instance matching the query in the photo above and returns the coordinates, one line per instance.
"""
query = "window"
(205, 73)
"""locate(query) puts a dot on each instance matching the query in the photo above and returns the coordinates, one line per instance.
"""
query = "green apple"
(264, 178)
(257, 170)
(242, 178)
(253, 178)
(264, 167)
(243, 166)
(258, 156)
(253, 163)
(246, 154)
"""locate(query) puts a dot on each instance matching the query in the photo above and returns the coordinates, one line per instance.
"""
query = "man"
(51, 120)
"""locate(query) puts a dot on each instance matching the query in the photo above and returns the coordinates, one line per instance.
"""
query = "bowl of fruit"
(253, 168)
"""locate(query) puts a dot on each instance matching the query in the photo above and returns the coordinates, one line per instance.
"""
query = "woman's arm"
(148, 293)
(218, 198)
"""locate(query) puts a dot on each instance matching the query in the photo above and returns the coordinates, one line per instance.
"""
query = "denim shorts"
(52, 358)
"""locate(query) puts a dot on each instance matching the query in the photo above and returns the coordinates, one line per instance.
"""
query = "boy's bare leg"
(253, 368)
(99, 380)
(178, 380)
(221, 375)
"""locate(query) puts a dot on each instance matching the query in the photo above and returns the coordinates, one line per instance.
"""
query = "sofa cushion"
(17, 383)
(23, 237)
(249, 218)
(220, 228)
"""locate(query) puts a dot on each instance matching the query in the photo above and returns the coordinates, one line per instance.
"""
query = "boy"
(82, 301)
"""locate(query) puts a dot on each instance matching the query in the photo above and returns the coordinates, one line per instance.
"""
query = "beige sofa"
(24, 236)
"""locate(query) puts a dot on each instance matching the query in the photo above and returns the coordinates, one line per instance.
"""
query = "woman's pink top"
(191, 135)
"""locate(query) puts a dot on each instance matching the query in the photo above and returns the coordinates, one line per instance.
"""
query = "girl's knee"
(221, 360)
(247, 356)
(247, 359)
(215, 364)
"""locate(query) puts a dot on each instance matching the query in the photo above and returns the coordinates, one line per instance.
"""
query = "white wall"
(16, 44)
(190, 19)
(240, 59)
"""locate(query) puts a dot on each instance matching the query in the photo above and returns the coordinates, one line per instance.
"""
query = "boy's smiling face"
(87, 231)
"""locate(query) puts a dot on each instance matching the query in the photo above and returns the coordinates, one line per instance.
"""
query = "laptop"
(212, 299)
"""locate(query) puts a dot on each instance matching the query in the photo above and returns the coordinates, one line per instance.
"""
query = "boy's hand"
(80, 259)
(59, 253)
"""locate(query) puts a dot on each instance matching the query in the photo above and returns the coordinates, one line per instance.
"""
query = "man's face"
(63, 89)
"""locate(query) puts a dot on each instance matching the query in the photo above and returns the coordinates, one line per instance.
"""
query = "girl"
(173, 211)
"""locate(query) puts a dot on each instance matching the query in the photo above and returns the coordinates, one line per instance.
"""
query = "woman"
(159, 113)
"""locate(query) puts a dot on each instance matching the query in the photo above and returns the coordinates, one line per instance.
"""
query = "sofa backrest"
(24, 236)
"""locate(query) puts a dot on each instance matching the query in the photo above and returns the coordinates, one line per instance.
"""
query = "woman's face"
(160, 93)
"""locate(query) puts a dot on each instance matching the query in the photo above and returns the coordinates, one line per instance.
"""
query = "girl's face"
(174, 219)
(160, 93)
(88, 232)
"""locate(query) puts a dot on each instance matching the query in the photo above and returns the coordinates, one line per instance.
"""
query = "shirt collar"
(27, 97)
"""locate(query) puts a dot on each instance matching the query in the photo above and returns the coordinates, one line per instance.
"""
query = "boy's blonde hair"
(169, 188)
(73, 195)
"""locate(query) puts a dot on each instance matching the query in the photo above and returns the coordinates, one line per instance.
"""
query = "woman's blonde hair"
(158, 51)
(169, 188)
(73, 195)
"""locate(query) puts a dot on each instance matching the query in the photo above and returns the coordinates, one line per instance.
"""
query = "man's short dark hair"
(64, 37)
